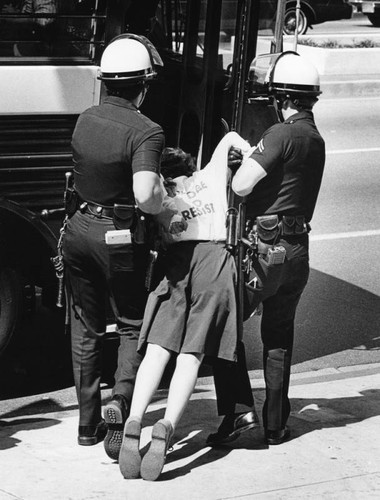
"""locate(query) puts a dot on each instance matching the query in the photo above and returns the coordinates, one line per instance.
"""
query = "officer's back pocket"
(121, 257)
(127, 281)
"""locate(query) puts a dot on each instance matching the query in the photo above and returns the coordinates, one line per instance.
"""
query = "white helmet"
(129, 59)
(292, 74)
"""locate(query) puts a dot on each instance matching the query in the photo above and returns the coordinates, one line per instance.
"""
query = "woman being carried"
(192, 313)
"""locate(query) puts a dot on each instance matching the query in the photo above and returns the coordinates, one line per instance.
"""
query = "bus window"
(267, 21)
(266, 24)
(36, 30)
(168, 26)
(227, 32)
(178, 12)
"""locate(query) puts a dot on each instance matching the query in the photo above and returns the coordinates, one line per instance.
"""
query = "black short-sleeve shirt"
(293, 155)
(110, 143)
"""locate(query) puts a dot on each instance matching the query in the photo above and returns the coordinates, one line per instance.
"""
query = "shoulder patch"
(260, 146)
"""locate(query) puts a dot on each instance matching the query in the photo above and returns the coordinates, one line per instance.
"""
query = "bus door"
(207, 47)
(259, 31)
(193, 75)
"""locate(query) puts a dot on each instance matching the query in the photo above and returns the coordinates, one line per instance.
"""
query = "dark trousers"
(99, 274)
(277, 333)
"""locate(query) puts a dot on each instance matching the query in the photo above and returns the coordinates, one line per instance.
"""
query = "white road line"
(350, 151)
(338, 236)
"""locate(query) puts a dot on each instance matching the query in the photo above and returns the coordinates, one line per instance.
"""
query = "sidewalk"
(334, 451)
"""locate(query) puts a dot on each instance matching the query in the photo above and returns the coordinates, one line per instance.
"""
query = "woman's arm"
(247, 176)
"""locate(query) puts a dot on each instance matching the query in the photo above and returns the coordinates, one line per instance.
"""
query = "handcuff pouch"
(267, 227)
(124, 216)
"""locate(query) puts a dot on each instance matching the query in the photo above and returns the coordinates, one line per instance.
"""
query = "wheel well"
(23, 244)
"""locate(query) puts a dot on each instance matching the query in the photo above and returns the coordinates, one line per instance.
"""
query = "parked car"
(371, 9)
(315, 12)
(311, 12)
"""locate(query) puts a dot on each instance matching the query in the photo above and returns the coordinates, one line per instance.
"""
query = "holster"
(71, 201)
(262, 280)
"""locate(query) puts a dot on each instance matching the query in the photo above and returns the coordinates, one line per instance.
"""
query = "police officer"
(281, 180)
(116, 153)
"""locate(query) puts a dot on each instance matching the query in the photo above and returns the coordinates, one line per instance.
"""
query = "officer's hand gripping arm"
(235, 158)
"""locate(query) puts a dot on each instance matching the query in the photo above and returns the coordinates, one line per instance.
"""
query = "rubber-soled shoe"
(232, 426)
(277, 437)
(88, 435)
(129, 457)
(115, 415)
(154, 460)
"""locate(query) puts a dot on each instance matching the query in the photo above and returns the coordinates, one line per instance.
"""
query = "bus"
(49, 62)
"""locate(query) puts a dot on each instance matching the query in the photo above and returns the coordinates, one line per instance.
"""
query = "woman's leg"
(182, 385)
(148, 378)
(147, 381)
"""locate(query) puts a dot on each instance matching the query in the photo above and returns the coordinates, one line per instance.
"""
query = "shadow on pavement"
(309, 415)
(38, 407)
(7, 429)
(333, 316)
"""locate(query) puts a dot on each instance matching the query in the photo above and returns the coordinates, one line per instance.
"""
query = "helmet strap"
(142, 96)
(278, 102)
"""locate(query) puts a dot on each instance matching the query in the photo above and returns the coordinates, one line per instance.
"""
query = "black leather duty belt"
(269, 228)
(97, 210)
(293, 225)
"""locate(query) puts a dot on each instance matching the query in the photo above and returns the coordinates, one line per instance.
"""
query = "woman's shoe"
(154, 460)
(129, 457)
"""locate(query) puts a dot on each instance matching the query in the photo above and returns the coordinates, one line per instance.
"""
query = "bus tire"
(10, 304)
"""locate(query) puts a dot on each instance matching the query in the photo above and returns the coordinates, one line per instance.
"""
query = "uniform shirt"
(201, 199)
(293, 155)
(110, 143)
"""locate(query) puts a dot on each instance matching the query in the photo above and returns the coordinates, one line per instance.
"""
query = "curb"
(312, 377)
(350, 88)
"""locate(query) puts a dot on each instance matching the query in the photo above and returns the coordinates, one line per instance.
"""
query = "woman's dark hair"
(175, 162)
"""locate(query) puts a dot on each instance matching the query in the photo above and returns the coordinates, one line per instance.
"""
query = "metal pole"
(277, 42)
(298, 8)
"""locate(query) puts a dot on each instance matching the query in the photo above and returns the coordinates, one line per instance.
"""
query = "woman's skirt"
(194, 309)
